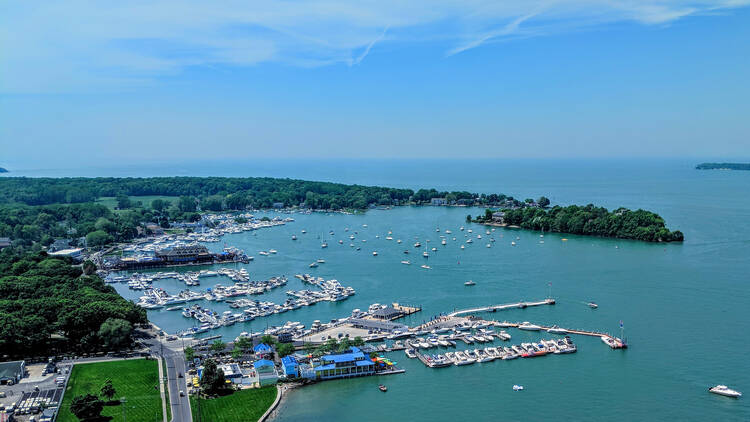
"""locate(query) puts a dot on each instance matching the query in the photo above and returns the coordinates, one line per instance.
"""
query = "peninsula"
(3, 170)
(723, 166)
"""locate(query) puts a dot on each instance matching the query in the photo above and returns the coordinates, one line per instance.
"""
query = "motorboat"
(374, 253)
(529, 326)
(593, 305)
(469, 283)
(426, 267)
(517, 387)
(382, 388)
(723, 390)
(406, 262)
(557, 330)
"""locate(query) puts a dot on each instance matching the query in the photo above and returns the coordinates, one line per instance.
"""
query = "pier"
(493, 308)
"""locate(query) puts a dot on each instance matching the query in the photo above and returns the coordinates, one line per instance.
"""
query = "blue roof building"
(264, 373)
(291, 367)
(262, 348)
(350, 363)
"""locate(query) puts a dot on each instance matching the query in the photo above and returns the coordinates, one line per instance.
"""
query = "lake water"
(684, 306)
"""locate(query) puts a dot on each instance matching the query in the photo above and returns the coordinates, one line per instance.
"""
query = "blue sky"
(85, 81)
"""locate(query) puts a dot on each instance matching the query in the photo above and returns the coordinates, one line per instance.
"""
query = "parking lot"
(34, 392)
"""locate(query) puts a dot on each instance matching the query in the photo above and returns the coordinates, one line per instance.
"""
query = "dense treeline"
(47, 306)
(235, 193)
(592, 221)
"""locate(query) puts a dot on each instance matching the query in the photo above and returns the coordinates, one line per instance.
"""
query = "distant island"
(723, 166)
(3, 170)
(588, 220)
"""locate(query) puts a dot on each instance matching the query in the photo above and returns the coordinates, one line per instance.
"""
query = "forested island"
(586, 220)
(723, 166)
(3, 170)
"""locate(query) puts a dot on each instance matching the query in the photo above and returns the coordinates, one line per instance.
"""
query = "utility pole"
(124, 404)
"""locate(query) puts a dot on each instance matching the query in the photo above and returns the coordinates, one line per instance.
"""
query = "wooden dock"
(405, 310)
(493, 308)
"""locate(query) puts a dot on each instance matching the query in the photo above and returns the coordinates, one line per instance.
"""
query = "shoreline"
(284, 389)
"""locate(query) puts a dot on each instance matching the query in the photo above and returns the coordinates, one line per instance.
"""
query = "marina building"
(350, 363)
(262, 349)
(264, 373)
(290, 365)
(438, 201)
(75, 253)
(12, 372)
(187, 253)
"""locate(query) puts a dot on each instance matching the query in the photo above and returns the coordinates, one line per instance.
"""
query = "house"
(262, 349)
(265, 371)
(350, 363)
(290, 365)
(498, 217)
(12, 372)
(75, 253)
(58, 245)
(231, 371)
(278, 205)
(4, 242)
(438, 201)
(388, 313)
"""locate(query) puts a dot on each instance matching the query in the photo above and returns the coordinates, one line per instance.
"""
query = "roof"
(262, 362)
(346, 356)
(66, 252)
(288, 360)
(262, 347)
(387, 311)
(11, 369)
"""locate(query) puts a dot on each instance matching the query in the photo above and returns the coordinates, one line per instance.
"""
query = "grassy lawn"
(111, 202)
(241, 406)
(133, 379)
(166, 389)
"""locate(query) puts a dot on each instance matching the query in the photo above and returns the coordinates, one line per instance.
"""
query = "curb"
(273, 406)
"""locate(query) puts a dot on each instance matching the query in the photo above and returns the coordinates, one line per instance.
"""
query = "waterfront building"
(438, 201)
(264, 373)
(187, 253)
(232, 371)
(262, 350)
(377, 325)
(12, 372)
(498, 217)
(388, 313)
(350, 363)
(4, 242)
(290, 365)
(75, 253)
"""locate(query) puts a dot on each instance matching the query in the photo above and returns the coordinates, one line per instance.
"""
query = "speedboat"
(374, 254)
(517, 387)
(529, 326)
(557, 330)
(382, 388)
(469, 283)
(426, 267)
(593, 305)
(406, 262)
(723, 390)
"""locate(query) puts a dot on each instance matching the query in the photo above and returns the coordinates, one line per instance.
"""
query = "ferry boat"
(723, 390)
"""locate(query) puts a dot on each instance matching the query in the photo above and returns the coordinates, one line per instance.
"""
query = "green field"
(136, 380)
(111, 202)
(241, 406)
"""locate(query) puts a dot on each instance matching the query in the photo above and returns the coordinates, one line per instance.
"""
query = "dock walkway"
(493, 308)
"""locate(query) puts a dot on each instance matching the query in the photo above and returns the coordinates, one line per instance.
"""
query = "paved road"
(180, 405)
(175, 362)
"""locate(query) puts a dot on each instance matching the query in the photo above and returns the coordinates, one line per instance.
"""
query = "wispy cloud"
(102, 44)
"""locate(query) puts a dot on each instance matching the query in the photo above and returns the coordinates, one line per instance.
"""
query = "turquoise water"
(684, 306)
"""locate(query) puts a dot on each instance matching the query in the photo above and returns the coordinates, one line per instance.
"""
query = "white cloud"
(79, 45)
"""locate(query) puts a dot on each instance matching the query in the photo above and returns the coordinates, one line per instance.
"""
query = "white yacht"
(529, 326)
(557, 330)
(469, 283)
(374, 253)
(723, 390)
(406, 262)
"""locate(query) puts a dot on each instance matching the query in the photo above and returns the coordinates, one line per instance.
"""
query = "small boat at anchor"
(382, 388)
(725, 391)
(470, 283)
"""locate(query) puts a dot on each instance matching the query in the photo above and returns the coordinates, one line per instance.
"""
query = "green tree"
(86, 407)
(159, 205)
(212, 379)
(358, 341)
(468, 218)
(244, 343)
(98, 238)
(186, 204)
(115, 333)
(236, 352)
(218, 346)
(108, 390)
(543, 201)
(268, 339)
(89, 268)
(189, 353)
(284, 349)
(123, 202)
